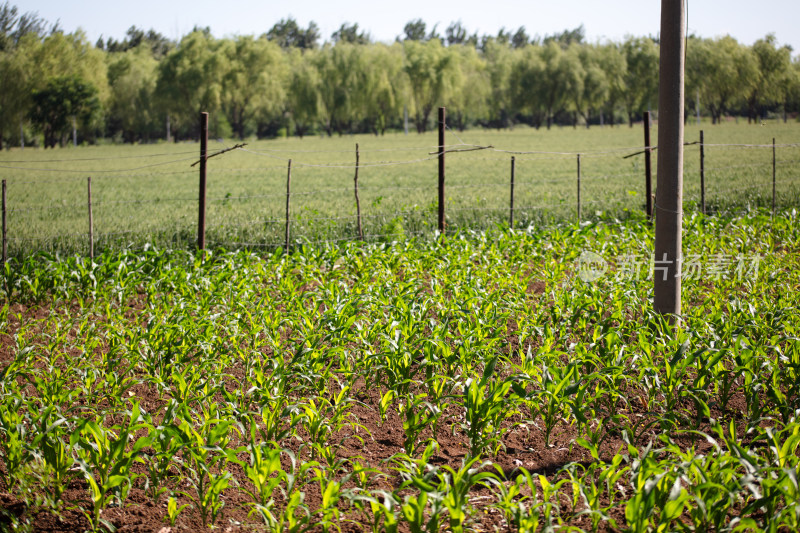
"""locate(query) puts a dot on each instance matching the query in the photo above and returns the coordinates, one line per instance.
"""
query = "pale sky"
(747, 21)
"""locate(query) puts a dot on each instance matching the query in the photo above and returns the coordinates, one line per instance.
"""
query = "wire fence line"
(252, 207)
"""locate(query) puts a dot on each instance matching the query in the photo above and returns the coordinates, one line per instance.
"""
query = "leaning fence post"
(702, 173)
(511, 207)
(774, 198)
(579, 188)
(5, 244)
(358, 202)
(288, 192)
(442, 118)
(201, 217)
(648, 176)
(91, 221)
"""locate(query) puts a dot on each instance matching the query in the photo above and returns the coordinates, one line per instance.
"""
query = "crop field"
(149, 193)
(506, 380)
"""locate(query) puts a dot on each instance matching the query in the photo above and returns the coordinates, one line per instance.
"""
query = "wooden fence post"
(442, 118)
(358, 202)
(774, 191)
(648, 175)
(288, 192)
(511, 208)
(91, 220)
(702, 173)
(579, 188)
(201, 218)
(5, 243)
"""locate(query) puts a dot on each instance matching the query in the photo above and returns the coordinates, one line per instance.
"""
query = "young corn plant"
(485, 409)
(105, 461)
(418, 415)
(206, 454)
(455, 485)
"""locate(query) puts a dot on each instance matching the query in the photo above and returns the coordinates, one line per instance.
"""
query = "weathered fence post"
(648, 175)
(442, 118)
(288, 192)
(358, 202)
(5, 244)
(579, 188)
(201, 218)
(702, 173)
(774, 196)
(511, 208)
(91, 220)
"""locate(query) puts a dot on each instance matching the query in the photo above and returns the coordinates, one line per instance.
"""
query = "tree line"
(55, 85)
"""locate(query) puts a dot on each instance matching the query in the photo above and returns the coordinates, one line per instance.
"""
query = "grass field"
(149, 193)
(487, 382)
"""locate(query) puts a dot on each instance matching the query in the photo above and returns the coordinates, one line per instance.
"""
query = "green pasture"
(149, 193)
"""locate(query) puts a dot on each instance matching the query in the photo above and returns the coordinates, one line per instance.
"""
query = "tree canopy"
(287, 81)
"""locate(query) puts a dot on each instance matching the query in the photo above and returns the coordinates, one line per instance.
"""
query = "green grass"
(240, 384)
(149, 193)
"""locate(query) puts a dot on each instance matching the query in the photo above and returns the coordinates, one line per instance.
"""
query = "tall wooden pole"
(201, 217)
(442, 118)
(669, 193)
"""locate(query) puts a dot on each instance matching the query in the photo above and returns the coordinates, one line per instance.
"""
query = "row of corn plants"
(410, 386)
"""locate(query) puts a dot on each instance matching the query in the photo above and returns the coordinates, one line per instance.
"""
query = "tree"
(63, 98)
(14, 26)
(338, 68)
(525, 84)
(469, 92)
(287, 34)
(455, 33)
(725, 72)
(774, 64)
(432, 72)
(303, 99)
(593, 87)
(415, 30)
(499, 63)
(135, 37)
(612, 62)
(348, 33)
(560, 80)
(253, 81)
(132, 76)
(520, 38)
(382, 85)
(190, 81)
(641, 77)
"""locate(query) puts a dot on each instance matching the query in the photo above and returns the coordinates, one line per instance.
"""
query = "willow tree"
(467, 100)
(338, 68)
(253, 80)
(302, 96)
(383, 85)
(725, 73)
(593, 87)
(132, 76)
(774, 64)
(190, 81)
(432, 71)
(499, 64)
(641, 75)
